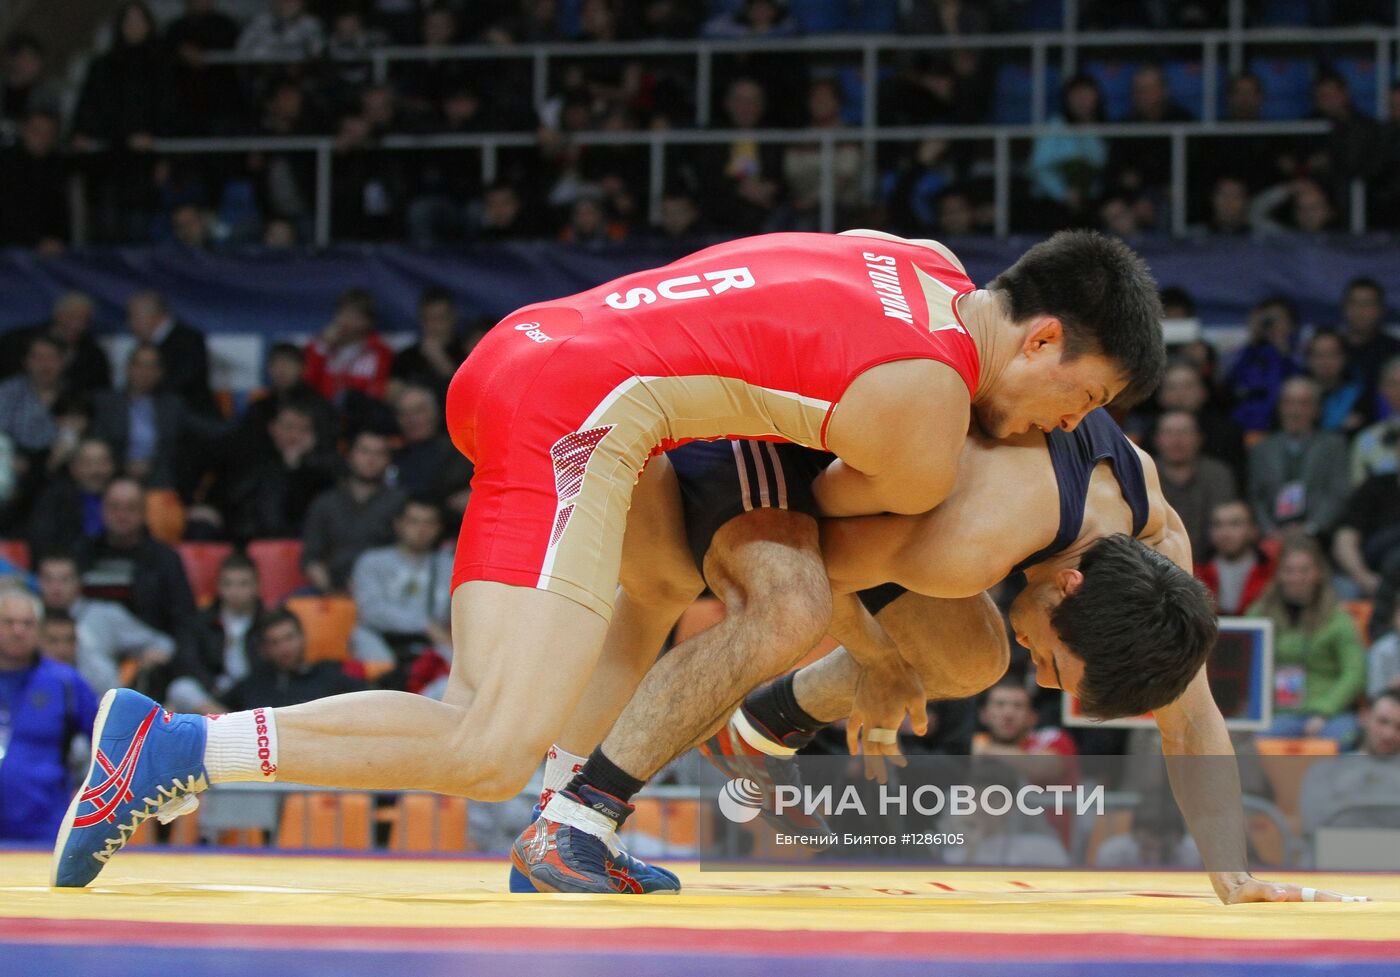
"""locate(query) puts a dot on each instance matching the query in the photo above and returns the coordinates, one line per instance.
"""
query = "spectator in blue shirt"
(1343, 393)
(43, 705)
(1066, 166)
(1256, 378)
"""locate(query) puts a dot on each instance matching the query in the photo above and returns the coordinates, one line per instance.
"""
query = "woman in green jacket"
(1319, 658)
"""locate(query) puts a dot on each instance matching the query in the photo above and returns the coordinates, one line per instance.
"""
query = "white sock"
(559, 768)
(241, 746)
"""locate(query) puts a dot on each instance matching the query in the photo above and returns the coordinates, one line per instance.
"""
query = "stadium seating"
(1186, 80)
(1360, 611)
(227, 404)
(1360, 75)
(16, 551)
(875, 16)
(852, 82)
(424, 823)
(1287, 86)
(1115, 80)
(327, 622)
(1042, 15)
(1285, 761)
(165, 515)
(1115, 822)
(325, 820)
(367, 672)
(279, 568)
(666, 825)
(819, 16)
(1283, 13)
(201, 562)
(1011, 98)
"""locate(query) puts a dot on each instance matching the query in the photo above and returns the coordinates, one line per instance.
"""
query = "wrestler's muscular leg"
(767, 568)
(522, 658)
(659, 581)
(958, 646)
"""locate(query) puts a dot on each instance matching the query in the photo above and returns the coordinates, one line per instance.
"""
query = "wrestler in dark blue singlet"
(723, 479)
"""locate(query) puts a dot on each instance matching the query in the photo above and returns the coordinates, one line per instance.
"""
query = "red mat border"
(650, 940)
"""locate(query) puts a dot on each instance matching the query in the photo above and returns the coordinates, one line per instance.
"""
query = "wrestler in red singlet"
(563, 402)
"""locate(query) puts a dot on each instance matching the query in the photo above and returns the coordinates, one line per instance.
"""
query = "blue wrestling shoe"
(146, 763)
(653, 878)
(581, 852)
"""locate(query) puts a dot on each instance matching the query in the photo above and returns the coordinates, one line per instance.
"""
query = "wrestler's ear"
(1068, 580)
(1046, 335)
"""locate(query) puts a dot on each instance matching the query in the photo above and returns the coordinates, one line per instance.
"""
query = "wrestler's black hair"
(1142, 626)
(1102, 293)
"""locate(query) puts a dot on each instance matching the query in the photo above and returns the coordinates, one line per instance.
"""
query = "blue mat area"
(69, 961)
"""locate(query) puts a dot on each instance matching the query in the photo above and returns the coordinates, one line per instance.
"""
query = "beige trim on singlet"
(640, 413)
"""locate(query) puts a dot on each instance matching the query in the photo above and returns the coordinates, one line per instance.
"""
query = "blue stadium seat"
(1043, 15)
(1186, 80)
(852, 82)
(1011, 101)
(1287, 86)
(1360, 74)
(1115, 79)
(238, 206)
(820, 16)
(875, 16)
(1011, 97)
(568, 17)
(1052, 90)
(1284, 13)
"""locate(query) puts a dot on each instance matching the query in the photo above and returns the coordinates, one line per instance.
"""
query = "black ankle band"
(775, 707)
(602, 774)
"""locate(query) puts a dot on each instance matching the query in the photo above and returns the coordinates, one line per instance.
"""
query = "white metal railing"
(657, 144)
(1214, 48)
(1034, 47)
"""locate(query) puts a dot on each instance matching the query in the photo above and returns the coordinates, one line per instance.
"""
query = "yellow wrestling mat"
(300, 906)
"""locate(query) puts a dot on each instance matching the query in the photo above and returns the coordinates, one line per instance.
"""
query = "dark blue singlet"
(723, 479)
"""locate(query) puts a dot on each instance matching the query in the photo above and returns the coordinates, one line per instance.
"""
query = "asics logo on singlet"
(683, 287)
(533, 331)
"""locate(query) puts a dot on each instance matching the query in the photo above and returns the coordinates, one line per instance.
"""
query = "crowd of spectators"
(1282, 466)
(316, 77)
(1281, 459)
(343, 452)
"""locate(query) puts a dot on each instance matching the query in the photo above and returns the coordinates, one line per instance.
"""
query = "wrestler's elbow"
(909, 494)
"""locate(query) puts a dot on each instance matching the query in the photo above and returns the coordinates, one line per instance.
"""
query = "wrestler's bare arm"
(897, 434)
(1192, 724)
(997, 515)
(1204, 776)
(897, 431)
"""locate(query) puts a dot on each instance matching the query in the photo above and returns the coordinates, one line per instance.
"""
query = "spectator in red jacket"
(349, 355)
(1240, 570)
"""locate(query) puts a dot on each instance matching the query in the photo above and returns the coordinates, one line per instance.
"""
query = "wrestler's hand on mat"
(1237, 887)
(885, 692)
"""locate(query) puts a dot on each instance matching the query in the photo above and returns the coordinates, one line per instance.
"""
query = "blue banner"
(272, 293)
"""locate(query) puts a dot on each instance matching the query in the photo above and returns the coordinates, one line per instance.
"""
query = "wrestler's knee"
(980, 657)
(766, 566)
(493, 763)
(987, 661)
(799, 613)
